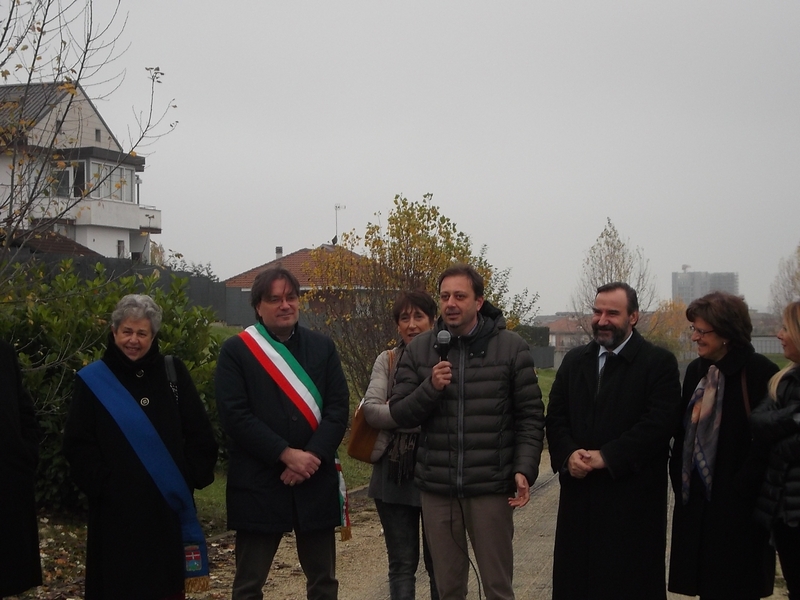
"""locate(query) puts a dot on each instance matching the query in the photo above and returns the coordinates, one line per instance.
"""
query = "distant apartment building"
(687, 286)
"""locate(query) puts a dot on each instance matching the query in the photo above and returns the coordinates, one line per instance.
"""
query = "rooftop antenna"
(337, 208)
(685, 268)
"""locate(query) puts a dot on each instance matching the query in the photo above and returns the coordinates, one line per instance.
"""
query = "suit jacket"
(614, 519)
(261, 422)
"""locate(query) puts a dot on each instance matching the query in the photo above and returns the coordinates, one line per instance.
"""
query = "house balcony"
(118, 214)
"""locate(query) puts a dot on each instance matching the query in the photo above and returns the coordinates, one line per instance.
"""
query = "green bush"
(59, 323)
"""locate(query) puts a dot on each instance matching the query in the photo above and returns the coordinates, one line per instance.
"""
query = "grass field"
(223, 332)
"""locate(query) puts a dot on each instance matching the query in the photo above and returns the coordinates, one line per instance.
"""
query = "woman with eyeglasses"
(718, 550)
(777, 424)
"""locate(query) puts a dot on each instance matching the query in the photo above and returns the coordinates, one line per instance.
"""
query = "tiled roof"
(38, 99)
(296, 263)
(49, 242)
(565, 325)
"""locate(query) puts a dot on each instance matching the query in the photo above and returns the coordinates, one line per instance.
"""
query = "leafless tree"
(786, 286)
(612, 259)
(53, 54)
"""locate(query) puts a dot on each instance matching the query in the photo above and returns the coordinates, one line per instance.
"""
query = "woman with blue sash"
(139, 442)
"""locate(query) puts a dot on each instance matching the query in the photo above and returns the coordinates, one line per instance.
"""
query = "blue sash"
(155, 457)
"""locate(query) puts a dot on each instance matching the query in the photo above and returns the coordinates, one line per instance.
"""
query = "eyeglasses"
(698, 331)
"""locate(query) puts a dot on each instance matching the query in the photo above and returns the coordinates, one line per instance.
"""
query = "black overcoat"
(134, 547)
(261, 422)
(718, 550)
(611, 530)
(20, 568)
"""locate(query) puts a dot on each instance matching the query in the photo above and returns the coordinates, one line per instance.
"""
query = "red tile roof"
(568, 325)
(49, 242)
(297, 263)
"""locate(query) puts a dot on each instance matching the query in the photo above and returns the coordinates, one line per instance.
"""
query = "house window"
(116, 183)
(70, 182)
(101, 186)
(98, 135)
(61, 182)
(120, 248)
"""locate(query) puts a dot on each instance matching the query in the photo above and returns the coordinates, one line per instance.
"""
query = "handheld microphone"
(443, 340)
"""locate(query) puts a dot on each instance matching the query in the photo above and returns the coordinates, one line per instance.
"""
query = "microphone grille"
(443, 337)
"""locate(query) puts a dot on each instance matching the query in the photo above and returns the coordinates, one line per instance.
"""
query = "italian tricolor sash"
(293, 381)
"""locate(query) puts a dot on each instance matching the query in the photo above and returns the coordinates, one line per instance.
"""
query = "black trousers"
(255, 552)
(787, 543)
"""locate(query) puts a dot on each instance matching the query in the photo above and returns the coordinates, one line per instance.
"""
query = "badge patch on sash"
(194, 559)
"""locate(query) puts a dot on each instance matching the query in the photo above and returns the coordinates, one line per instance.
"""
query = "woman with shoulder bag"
(392, 483)
(139, 442)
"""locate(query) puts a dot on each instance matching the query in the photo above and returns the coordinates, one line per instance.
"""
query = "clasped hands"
(582, 462)
(300, 465)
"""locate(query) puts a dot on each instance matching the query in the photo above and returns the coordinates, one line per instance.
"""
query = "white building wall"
(79, 127)
(104, 240)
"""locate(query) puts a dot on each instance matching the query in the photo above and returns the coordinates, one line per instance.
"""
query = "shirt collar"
(618, 349)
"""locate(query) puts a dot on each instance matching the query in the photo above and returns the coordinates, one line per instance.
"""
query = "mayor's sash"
(292, 379)
(158, 462)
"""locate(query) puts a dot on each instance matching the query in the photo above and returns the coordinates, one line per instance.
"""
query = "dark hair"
(469, 272)
(727, 314)
(411, 300)
(262, 284)
(633, 299)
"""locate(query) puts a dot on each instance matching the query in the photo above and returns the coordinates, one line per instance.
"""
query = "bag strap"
(391, 374)
(745, 394)
(172, 374)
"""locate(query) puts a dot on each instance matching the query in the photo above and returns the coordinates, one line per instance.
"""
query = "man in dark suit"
(614, 405)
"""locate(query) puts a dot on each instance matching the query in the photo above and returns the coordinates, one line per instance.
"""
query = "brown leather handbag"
(362, 437)
(367, 443)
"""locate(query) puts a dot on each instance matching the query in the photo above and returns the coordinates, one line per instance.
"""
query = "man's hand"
(441, 375)
(596, 460)
(289, 477)
(582, 462)
(523, 492)
(578, 464)
(303, 464)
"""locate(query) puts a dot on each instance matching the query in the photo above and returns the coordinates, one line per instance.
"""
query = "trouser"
(787, 543)
(489, 522)
(401, 524)
(255, 551)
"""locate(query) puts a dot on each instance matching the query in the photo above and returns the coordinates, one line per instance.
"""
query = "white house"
(62, 169)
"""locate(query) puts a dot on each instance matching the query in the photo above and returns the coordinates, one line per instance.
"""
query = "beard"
(617, 336)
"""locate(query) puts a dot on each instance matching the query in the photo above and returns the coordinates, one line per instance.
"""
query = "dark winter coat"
(611, 528)
(134, 546)
(20, 567)
(261, 422)
(717, 548)
(777, 424)
(486, 425)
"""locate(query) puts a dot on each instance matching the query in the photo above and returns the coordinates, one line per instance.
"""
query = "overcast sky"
(530, 122)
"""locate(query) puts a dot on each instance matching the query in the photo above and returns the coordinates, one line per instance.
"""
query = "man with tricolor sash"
(283, 401)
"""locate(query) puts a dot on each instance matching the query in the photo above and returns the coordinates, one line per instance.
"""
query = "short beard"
(617, 336)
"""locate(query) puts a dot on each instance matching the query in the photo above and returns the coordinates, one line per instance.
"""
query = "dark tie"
(610, 357)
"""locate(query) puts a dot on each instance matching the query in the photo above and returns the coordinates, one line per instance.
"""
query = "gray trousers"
(489, 522)
(255, 551)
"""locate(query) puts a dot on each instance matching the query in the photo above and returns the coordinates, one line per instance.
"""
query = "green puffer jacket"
(487, 424)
